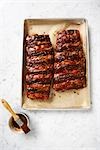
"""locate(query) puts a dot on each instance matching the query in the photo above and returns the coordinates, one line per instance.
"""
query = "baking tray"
(71, 99)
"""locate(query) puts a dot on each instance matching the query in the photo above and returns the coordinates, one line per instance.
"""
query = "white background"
(51, 130)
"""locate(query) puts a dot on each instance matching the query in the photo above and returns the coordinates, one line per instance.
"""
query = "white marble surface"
(51, 130)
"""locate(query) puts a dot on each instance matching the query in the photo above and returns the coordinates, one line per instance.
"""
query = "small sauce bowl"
(13, 125)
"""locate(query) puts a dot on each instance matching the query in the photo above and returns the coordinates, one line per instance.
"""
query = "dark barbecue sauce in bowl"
(14, 126)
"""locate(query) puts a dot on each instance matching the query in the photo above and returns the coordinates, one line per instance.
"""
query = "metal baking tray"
(71, 99)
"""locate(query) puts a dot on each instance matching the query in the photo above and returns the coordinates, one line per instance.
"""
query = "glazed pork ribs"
(39, 64)
(66, 65)
(69, 61)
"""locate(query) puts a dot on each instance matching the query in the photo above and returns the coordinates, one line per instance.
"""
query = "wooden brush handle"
(8, 107)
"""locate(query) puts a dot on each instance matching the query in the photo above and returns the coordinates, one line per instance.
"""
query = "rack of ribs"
(39, 66)
(69, 61)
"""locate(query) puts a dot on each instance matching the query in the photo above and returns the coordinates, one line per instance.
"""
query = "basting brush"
(17, 119)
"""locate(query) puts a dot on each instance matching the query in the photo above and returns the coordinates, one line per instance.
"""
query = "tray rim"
(89, 106)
